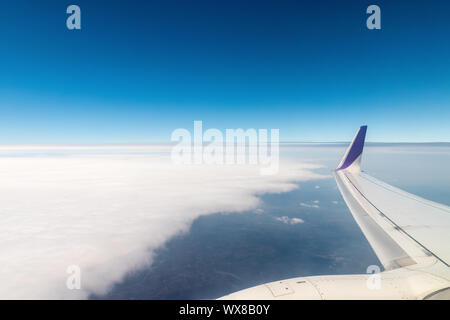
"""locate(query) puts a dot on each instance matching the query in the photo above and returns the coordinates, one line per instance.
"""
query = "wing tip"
(353, 154)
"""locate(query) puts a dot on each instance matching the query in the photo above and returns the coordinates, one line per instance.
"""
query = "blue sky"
(138, 70)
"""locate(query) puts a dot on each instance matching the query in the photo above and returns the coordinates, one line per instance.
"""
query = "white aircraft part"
(400, 284)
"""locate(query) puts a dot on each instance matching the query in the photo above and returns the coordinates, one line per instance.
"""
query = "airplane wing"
(402, 228)
(409, 234)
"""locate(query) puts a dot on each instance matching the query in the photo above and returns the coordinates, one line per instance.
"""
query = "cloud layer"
(107, 213)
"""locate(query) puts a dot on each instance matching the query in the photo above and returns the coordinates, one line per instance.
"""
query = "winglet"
(352, 157)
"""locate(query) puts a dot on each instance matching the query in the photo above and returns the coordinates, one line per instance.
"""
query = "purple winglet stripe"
(356, 149)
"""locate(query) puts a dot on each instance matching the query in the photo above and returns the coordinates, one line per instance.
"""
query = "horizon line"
(169, 143)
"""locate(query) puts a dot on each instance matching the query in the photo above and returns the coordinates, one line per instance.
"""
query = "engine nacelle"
(396, 284)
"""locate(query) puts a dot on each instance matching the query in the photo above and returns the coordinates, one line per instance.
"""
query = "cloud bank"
(107, 213)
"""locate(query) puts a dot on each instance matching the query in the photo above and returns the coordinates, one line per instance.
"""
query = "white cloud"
(317, 187)
(107, 213)
(288, 220)
(335, 202)
(306, 205)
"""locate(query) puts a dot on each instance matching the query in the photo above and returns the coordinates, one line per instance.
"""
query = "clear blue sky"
(140, 69)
